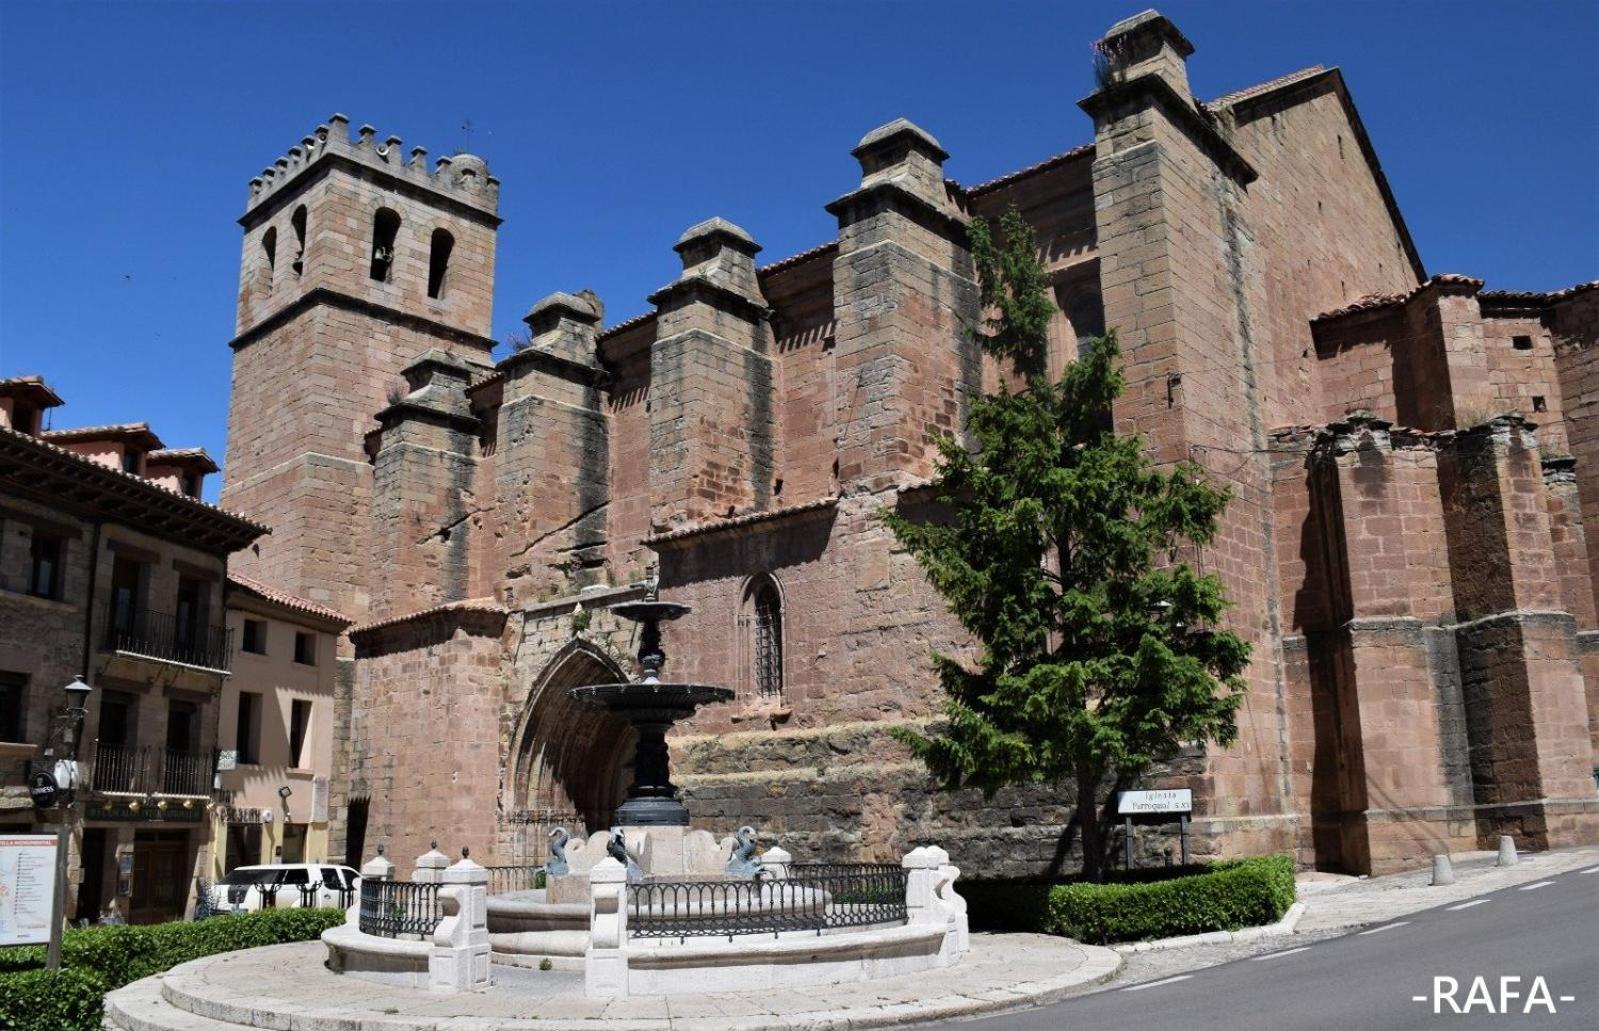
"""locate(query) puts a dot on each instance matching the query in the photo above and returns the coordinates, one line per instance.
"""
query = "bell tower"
(357, 258)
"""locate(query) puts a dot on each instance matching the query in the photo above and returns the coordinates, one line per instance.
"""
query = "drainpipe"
(88, 608)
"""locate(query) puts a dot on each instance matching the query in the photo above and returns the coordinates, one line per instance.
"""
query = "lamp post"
(70, 722)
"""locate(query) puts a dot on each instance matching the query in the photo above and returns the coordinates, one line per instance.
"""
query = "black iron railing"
(186, 773)
(119, 767)
(819, 897)
(161, 635)
(505, 879)
(399, 909)
(132, 769)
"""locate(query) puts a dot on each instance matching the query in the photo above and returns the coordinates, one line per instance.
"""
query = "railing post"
(775, 862)
(605, 962)
(378, 868)
(430, 866)
(459, 961)
(921, 864)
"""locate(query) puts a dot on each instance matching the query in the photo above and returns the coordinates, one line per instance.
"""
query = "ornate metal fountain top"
(651, 706)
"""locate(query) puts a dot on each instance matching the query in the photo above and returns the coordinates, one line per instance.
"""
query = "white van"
(249, 888)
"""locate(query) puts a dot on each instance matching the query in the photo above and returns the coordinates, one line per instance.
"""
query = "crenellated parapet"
(463, 178)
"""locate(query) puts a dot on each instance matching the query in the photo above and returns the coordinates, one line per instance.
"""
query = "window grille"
(768, 628)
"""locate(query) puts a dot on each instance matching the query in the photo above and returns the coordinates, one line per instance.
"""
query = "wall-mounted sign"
(1174, 800)
(173, 813)
(241, 814)
(227, 759)
(27, 888)
(42, 789)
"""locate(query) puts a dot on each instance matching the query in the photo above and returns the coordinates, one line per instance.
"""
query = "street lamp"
(69, 723)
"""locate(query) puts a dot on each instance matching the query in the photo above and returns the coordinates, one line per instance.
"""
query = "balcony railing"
(148, 771)
(160, 635)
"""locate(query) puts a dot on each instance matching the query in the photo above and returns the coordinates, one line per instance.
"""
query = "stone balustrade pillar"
(922, 905)
(459, 961)
(930, 899)
(430, 866)
(775, 863)
(605, 962)
(378, 868)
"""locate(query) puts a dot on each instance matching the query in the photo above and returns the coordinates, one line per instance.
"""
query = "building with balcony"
(277, 723)
(112, 568)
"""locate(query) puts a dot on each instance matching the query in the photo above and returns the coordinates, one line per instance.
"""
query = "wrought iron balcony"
(162, 636)
(130, 769)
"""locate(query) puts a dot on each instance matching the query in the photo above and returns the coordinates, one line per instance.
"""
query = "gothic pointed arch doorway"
(570, 763)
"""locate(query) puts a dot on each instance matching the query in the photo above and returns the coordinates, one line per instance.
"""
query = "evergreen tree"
(1099, 652)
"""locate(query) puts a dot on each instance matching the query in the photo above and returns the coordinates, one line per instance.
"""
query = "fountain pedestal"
(651, 707)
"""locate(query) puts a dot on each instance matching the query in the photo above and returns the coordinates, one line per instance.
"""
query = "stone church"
(1413, 459)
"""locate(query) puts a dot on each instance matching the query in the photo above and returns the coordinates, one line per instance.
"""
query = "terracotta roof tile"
(116, 429)
(746, 519)
(260, 528)
(288, 601)
(484, 606)
(1534, 297)
(1045, 165)
(797, 259)
(1269, 86)
(627, 324)
(34, 384)
(1371, 302)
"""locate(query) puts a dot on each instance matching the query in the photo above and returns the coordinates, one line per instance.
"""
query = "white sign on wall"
(1173, 800)
(27, 888)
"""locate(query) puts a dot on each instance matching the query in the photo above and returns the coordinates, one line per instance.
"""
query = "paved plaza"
(286, 987)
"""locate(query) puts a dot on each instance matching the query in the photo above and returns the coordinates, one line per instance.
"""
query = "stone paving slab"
(288, 988)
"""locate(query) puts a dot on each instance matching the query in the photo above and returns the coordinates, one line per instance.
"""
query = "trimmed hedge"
(102, 959)
(1223, 897)
(1242, 893)
(51, 1000)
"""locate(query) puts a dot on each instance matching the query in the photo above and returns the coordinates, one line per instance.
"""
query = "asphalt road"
(1369, 979)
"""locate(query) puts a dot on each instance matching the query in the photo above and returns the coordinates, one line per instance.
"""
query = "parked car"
(248, 888)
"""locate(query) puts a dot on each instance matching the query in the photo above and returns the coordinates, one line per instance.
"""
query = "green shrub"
(21, 957)
(1240, 893)
(1158, 902)
(106, 958)
(50, 1000)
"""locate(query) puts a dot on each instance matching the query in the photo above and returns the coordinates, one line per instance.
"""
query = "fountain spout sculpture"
(651, 707)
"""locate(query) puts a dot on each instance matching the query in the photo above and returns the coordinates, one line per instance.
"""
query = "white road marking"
(1386, 927)
(1157, 984)
(1591, 869)
(1533, 887)
(1279, 955)
(1468, 905)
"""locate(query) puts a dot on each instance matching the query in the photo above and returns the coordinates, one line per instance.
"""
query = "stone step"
(141, 1006)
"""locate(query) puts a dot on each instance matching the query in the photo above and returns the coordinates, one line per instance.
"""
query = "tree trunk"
(1088, 779)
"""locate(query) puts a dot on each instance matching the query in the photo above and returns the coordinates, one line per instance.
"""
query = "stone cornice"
(338, 299)
(897, 196)
(695, 287)
(1152, 89)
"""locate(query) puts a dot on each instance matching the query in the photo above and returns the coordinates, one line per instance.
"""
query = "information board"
(27, 888)
(1174, 800)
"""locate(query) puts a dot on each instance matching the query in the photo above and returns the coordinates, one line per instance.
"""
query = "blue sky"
(130, 130)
